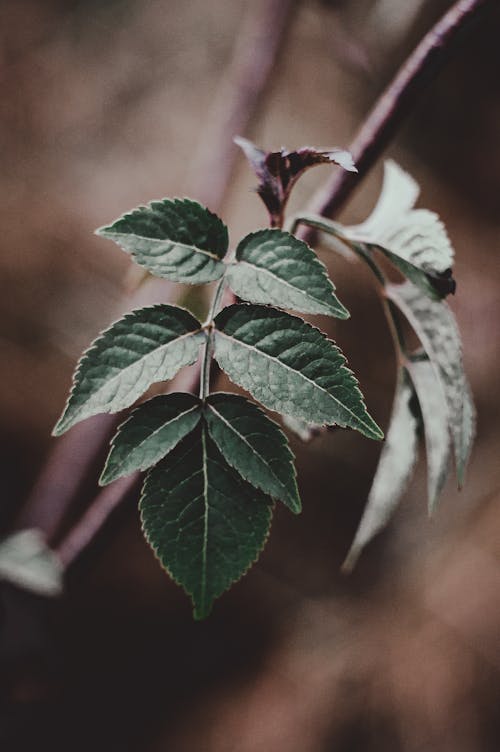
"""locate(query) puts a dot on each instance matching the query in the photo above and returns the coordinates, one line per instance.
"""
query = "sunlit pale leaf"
(415, 240)
(437, 330)
(435, 418)
(394, 471)
(27, 562)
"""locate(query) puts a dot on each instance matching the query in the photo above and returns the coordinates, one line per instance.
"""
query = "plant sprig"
(216, 463)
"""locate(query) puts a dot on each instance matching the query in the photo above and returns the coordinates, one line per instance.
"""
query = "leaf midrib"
(194, 248)
(304, 293)
(121, 373)
(306, 378)
(254, 451)
(157, 430)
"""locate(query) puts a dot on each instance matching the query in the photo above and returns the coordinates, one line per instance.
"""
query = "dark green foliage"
(204, 522)
(290, 366)
(177, 239)
(216, 463)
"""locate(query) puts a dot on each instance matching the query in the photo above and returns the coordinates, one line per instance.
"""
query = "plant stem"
(208, 350)
(76, 455)
(394, 104)
(381, 124)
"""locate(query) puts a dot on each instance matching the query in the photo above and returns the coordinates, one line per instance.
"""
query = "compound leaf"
(150, 432)
(204, 522)
(394, 470)
(437, 330)
(147, 345)
(435, 418)
(415, 240)
(290, 366)
(275, 267)
(174, 238)
(254, 445)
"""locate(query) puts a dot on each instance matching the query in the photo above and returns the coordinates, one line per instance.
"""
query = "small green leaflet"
(275, 267)
(254, 445)
(290, 366)
(205, 523)
(174, 238)
(415, 240)
(145, 346)
(151, 432)
(435, 417)
(437, 330)
(394, 470)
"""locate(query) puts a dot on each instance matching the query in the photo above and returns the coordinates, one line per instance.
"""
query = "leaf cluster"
(216, 463)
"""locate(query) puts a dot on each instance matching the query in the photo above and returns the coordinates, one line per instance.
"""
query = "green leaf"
(394, 471)
(290, 366)
(174, 238)
(27, 562)
(147, 345)
(254, 445)
(275, 267)
(437, 330)
(415, 240)
(435, 418)
(204, 522)
(150, 433)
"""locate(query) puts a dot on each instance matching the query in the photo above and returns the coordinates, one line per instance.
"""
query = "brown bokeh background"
(110, 103)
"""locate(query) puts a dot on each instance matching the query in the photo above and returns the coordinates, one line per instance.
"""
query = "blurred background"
(107, 104)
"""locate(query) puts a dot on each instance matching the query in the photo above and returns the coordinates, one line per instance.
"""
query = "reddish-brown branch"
(394, 104)
(74, 456)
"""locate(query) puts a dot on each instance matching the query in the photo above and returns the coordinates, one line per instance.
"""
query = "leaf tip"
(350, 560)
(60, 427)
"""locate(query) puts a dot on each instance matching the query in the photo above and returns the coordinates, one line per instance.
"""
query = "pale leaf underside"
(290, 366)
(415, 240)
(435, 418)
(28, 562)
(204, 522)
(394, 470)
(437, 330)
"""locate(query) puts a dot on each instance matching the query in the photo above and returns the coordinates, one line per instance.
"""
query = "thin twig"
(394, 104)
(75, 456)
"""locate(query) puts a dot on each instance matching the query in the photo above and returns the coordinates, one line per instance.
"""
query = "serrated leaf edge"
(340, 311)
(103, 480)
(285, 496)
(371, 431)
(62, 426)
(198, 616)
